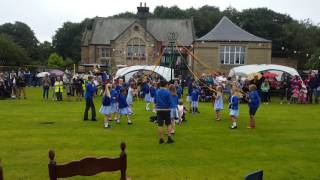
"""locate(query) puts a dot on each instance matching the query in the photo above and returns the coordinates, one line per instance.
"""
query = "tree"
(67, 40)
(55, 61)
(23, 35)
(11, 54)
(314, 61)
(44, 50)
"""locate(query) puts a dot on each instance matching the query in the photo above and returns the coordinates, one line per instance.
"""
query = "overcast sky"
(46, 16)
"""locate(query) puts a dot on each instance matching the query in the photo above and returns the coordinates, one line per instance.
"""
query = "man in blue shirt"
(89, 94)
(163, 102)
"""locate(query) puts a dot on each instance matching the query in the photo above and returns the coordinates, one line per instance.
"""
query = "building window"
(232, 54)
(136, 48)
(105, 52)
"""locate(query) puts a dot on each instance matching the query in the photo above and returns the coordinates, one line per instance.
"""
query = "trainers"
(170, 141)
(233, 127)
(161, 141)
(129, 123)
(118, 121)
(108, 126)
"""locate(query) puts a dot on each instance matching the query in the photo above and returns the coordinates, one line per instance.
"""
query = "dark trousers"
(45, 92)
(89, 104)
(265, 96)
(59, 96)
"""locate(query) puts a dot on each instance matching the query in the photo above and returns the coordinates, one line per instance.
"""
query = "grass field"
(285, 144)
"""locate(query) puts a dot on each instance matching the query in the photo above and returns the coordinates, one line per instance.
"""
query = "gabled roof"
(226, 30)
(160, 28)
(108, 29)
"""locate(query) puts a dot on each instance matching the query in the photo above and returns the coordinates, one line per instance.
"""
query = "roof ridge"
(241, 28)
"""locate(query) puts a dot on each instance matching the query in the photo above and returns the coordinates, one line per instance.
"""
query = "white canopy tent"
(254, 68)
(128, 72)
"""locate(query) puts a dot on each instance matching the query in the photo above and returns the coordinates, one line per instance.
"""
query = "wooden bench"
(1, 171)
(88, 166)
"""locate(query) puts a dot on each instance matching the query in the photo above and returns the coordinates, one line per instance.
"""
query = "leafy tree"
(314, 61)
(23, 35)
(67, 40)
(44, 50)
(11, 54)
(126, 15)
(56, 61)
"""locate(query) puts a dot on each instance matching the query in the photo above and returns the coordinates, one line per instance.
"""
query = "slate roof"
(226, 30)
(108, 29)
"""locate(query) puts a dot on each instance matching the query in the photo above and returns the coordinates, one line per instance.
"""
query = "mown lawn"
(285, 144)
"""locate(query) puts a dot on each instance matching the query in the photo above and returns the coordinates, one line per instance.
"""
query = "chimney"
(143, 11)
(143, 14)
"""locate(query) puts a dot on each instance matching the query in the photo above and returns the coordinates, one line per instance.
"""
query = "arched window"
(136, 48)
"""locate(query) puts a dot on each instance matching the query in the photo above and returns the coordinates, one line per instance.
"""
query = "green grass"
(285, 144)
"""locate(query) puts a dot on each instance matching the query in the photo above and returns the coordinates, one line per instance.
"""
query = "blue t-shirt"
(145, 88)
(174, 101)
(179, 91)
(234, 102)
(119, 88)
(152, 91)
(106, 101)
(122, 101)
(195, 95)
(114, 96)
(190, 89)
(90, 90)
(254, 100)
(163, 99)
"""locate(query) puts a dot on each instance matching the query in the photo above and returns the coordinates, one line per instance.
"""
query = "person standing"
(265, 87)
(253, 103)
(58, 89)
(163, 103)
(21, 84)
(46, 85)
(89, 94)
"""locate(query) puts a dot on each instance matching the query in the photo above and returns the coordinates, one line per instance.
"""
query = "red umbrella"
(270, 75)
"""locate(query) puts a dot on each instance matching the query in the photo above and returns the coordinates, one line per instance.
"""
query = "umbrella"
(56, 72)
(270, 75)
(42, 74)
(254, 75)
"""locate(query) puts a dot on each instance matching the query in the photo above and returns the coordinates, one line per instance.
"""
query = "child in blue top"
(106, 105)
(123, 107)
(163, 102)
(254, 103)
(152, 94)
(218, 103)
(234, 108)
(194, 100)
(190, 90)
(146, 92)
(179, 89)
(174, 107)
(114, 102)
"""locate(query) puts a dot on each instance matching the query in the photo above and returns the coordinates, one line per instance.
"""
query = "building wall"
(119, 45)
(208, 53)
(92, 54)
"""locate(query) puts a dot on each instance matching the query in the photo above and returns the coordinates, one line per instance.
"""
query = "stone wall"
(208, 52)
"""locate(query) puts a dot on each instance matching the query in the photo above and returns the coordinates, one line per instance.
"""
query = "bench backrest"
(88, 166)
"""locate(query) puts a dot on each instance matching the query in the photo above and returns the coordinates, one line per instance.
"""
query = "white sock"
(106, 124)
(234, 124)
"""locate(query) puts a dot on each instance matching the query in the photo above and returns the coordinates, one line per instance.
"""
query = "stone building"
(227, 46)
(117, 42)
